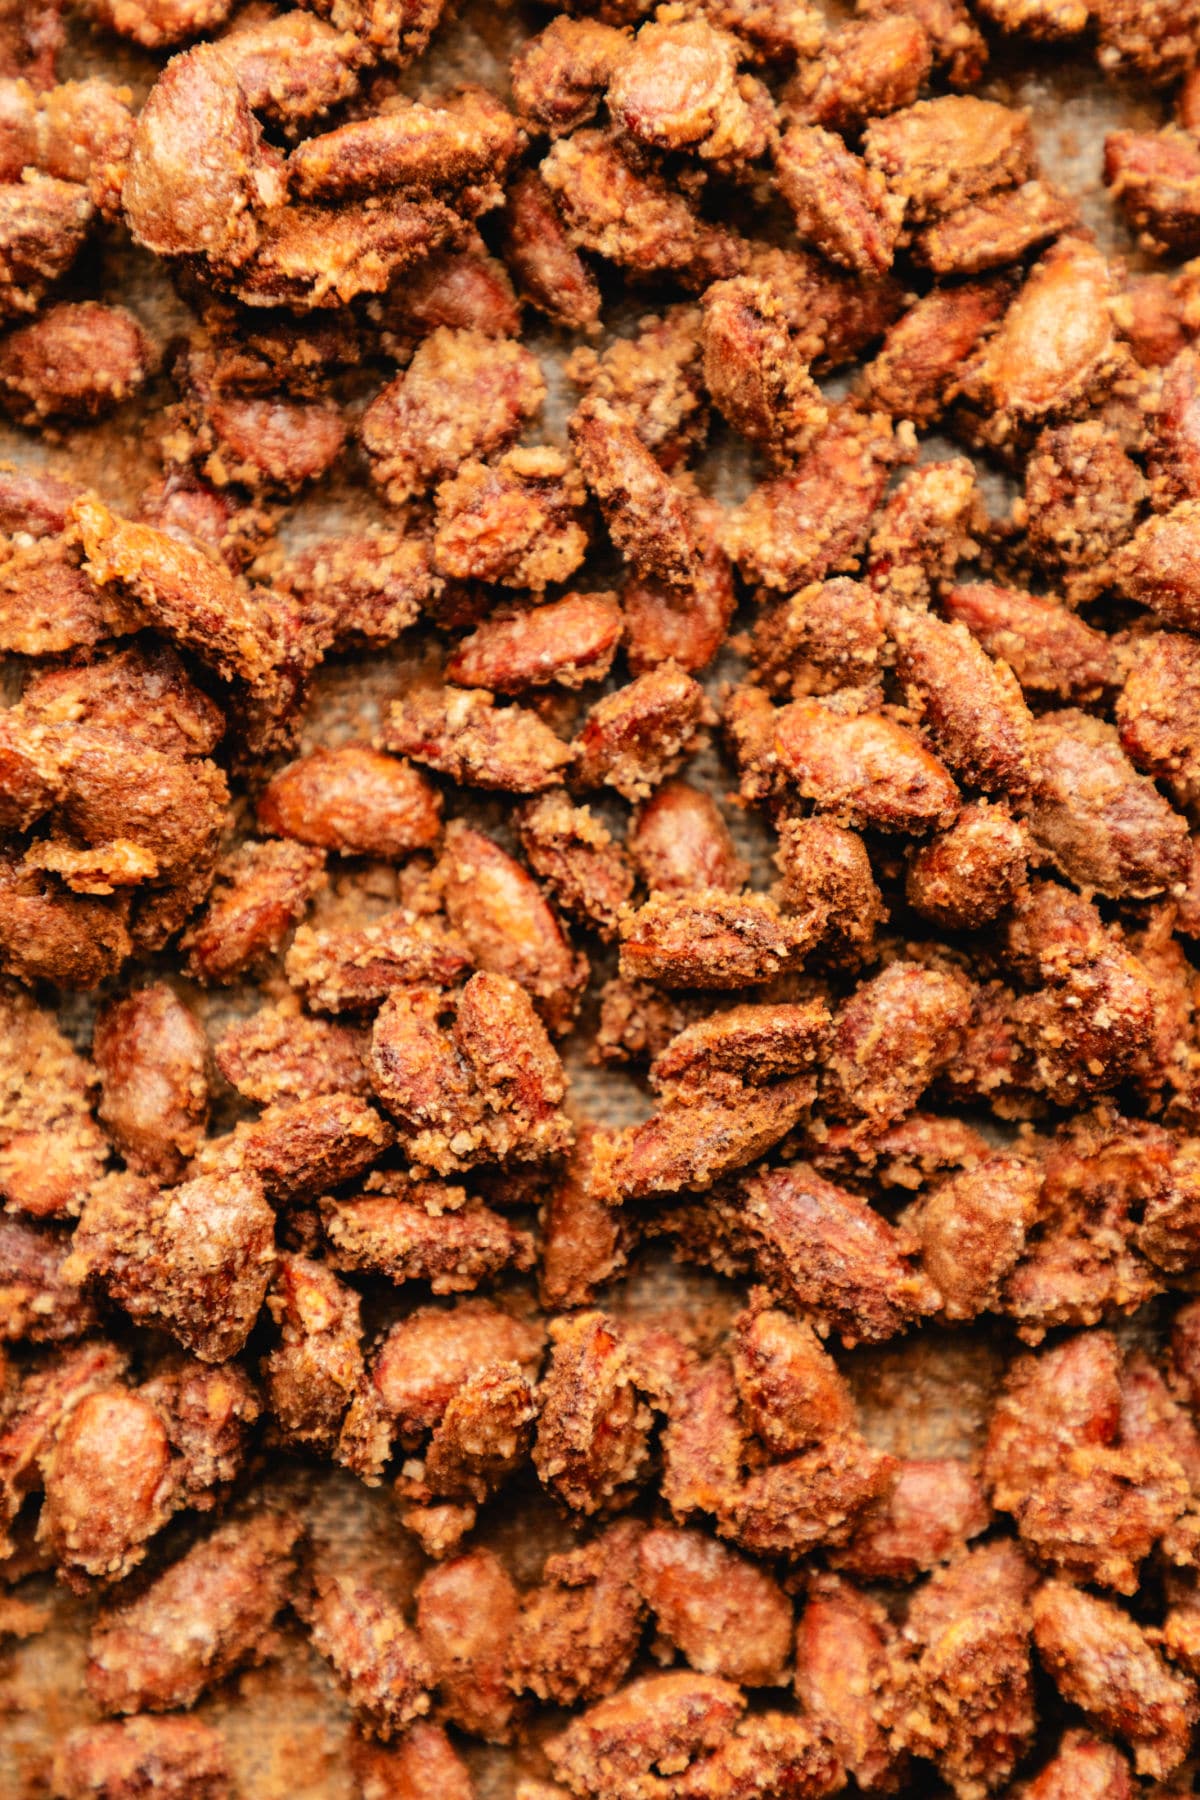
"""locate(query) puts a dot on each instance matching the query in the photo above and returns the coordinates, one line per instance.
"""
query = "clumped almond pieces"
(420, 1365)
(997, 230)
(547, 267)
(507, 924)
(268, 444)
(656, 1720)
(711, 938)
(310, 257)
(117, 791)
(1082, 1263)
(924, 530)
(1098, 1516)
(842, 1678)
(633, 218)
(362, 586)
(842, 207)
(915, 373)
(462, 395)
(422, 1761)
(196, 1259)
(635, 737)
(518, 522)
(280, 1053)
(815, 520)
(817, 1497)
(578, 1631)
(315, 1370)
(209, 1612)
(592, 1443)
(824, 1251)
(108, 1484)
(575, 855)
(1154, 177)
(825, 868)
(259, 892)
(52, 1150)
(1102, 1661)
(1050, 649)
(209, 1413)
(51, 935)
(453, 1250)
(968, 1700)
(461, 732)
(656, 380)
(1100, 821)
(973, 1229)
(977, 798)
(567, 642)
(647, 516)
(934, 1507)
(1094, 1014)
(43, 1401)
(152, 1058)
(377, 1659)
(967, 701)
(184, 1759)
(482, 1438)
(722, 1614)
(829, 635)
(696, 1137)
(345, 970)
(835, 315)
(145, 692)
(300, 1148)
(466, 1611)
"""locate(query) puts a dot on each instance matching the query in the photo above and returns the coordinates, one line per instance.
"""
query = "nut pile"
(297, 1197)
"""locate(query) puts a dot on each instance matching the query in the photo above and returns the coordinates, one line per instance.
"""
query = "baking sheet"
(927, 1395)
